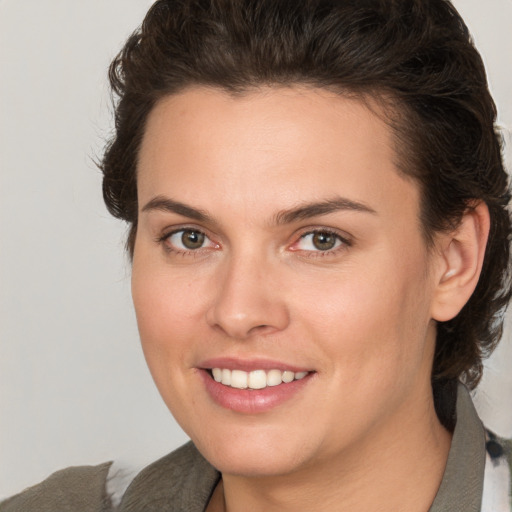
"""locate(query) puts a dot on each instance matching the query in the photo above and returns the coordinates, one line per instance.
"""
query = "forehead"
(289, 114)
(286, 144)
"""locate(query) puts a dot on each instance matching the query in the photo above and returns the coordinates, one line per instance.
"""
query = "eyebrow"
(165, 204)
(302, 212)
(309, 210)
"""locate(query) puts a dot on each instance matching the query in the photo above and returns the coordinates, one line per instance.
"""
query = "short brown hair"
(416, 53)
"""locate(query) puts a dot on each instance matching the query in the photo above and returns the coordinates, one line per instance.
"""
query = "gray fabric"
(462, 485)
(183, 481)
(76, 489)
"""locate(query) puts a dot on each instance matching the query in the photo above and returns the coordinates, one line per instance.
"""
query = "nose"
(248, 300)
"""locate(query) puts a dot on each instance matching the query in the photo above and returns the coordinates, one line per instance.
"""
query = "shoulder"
(72, 489)
(498, 475)
(182, 480)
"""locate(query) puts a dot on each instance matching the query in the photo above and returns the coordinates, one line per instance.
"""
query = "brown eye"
(187, 239)
(320, 241)
(324, 241)
(192, 239)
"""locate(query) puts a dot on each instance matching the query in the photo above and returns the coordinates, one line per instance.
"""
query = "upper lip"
(248, 365)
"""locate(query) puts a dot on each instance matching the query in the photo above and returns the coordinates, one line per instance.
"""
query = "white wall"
(73, 384)
(74, 388)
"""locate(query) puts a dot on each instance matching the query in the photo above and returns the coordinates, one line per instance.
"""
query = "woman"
(319, 237)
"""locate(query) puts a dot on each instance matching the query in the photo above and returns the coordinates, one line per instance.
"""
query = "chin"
(261, 465)
(247, 454)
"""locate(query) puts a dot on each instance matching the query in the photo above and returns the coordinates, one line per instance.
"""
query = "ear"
(461, 256)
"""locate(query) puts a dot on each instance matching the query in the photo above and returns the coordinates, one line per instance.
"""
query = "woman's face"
(277, 241)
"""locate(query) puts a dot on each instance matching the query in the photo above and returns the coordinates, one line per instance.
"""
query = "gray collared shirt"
(462, 485)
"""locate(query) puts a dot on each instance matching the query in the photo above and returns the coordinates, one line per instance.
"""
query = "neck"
(397, 467)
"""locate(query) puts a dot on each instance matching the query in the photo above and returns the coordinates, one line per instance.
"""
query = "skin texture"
(360, 317)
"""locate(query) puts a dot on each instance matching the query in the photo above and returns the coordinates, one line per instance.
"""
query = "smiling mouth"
(256, 379)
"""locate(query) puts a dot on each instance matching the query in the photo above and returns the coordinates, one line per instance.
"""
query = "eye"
(319, 241)
(188, 240)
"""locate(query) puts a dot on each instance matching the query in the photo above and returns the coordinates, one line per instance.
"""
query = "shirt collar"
(462, 485)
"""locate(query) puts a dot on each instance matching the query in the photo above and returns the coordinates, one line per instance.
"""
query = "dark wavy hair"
(414, 56)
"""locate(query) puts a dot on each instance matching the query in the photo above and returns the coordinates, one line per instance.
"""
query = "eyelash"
(343, 244)
(164, 241)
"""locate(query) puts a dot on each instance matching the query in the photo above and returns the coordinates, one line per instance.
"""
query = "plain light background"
(74, 388)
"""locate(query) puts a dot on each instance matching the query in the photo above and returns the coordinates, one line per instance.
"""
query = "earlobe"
(461, 256)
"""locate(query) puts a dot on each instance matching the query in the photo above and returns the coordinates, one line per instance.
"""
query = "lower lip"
(252, 401)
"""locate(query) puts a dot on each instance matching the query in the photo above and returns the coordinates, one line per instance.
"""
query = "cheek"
(168, 308)
(373, 318)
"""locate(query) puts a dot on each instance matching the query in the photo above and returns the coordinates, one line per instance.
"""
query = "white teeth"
(274, 378)
(239, 379)
(257, 379)
(226, 377)
(288, 376)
